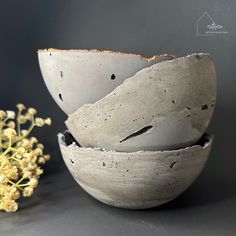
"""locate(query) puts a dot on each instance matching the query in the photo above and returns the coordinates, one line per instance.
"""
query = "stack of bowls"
(136, 126)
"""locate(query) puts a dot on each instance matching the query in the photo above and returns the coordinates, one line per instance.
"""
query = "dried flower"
(48, 121)
(32, 111)
(9, 132)
(11, 124)
(8, 204)
(28, 191)
(11, 114)
(33, 183)
(20, 156)
(39, 122)
(21, 150)
(22, 119)
(2, 114)
(24, 132)
(20, 106)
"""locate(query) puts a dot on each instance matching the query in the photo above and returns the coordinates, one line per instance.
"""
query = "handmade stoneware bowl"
(77, 77)
(134, 180)
(165, 106)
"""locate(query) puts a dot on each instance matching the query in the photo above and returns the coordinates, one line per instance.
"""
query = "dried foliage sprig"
(21, 156)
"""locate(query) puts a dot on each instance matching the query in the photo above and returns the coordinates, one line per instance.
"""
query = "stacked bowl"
(136, 126)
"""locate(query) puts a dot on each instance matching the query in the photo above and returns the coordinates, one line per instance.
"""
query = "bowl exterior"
(166, 106)
(77, 77)
(134, 180)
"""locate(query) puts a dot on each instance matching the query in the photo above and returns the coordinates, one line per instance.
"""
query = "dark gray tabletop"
(60, 207)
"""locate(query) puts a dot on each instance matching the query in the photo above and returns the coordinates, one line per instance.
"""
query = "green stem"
(18, 122)
(13, 158)
(20, 180)
(8, 149)
(1, 125)
(29, 131)
(23, 185)
(12, 183)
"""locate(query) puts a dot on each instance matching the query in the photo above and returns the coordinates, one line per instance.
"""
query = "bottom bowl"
(134, 180)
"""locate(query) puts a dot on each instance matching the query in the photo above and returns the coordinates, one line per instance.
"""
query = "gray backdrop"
(146, 27)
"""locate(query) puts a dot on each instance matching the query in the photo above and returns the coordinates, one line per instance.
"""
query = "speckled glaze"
(165, 106)
(77, 77)
(136, 180)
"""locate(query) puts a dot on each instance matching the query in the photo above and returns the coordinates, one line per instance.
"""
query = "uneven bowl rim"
(207, 143)
(148, 59)
(174, 57)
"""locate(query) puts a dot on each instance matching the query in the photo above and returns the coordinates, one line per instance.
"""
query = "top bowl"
(77, 77)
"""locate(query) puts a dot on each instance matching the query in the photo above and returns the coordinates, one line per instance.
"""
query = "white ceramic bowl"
(165, 106)
(134, 180)
(77, 77)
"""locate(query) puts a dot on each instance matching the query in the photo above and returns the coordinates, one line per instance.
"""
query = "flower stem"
(18, 122)
(12, 183)
(8, 149)
(1, 125)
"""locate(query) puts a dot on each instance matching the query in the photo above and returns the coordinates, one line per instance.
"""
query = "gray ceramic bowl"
(135, 180)
(162, 107)
(77, 77)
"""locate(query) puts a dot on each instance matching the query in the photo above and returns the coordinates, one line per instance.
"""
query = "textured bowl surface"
(136, 180)
(165, 106)
(77, 77)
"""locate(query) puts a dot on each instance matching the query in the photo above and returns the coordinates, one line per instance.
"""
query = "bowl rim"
(204, 142)
(97, 51)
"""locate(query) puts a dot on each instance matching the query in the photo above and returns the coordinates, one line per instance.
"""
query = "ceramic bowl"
(77, 77)
(135, 180)
(162, 107)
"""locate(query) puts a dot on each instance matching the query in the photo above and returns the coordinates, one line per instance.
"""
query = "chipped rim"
(105, 51)
(207, 143)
